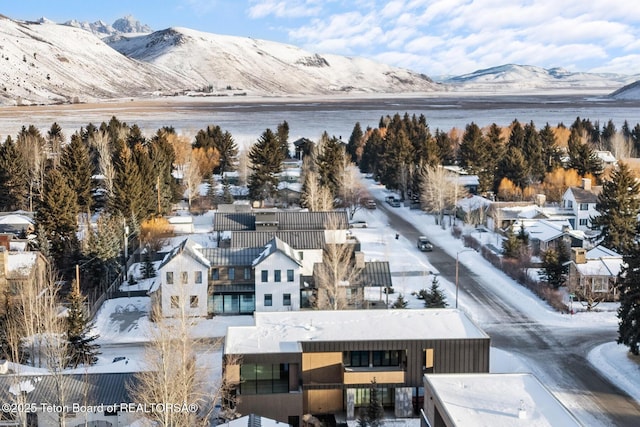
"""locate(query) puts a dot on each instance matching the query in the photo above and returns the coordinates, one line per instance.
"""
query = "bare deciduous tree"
(440, 191)
(175, 375)
(100, 140)
(352, 190)
(192, 178)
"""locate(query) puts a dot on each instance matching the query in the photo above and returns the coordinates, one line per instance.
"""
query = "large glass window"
(356, 358)
(247, 273)
(265, 275)
(386, 358)
(264, 379)
(247, 303)
(289, 275)
(386, 396)
(268, 300)
(232, 273)
(215, 274)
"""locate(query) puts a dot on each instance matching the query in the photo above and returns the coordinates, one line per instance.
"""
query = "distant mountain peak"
(125, 25)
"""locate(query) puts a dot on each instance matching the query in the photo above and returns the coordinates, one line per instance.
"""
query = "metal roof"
(374, 274)
(231, 256)
(286, 220)
(309, 239)
(91, 389)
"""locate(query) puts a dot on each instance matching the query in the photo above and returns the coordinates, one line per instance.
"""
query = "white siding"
(184, 293)
(277, 290)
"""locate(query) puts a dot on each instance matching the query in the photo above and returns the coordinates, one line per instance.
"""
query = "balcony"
(381, 374)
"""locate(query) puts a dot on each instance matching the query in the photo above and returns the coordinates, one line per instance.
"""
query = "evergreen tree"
(618, 205)
(102, 254)
(551, 152)
(534, 153)
(162, 158)
(355, 146)
(582, 157)
(554, 268)
(629, 310)
(14, 185)
(372, 153)
(58, 215)
(147, 270)
(82, 349)
(266, 163)
(512, 166)
(435, 298)
(127, 186)
(473, 153)
(77, 169)
(512, 245)
(214, 137)
(329, 161)
(446, 153)
(400, 302)
(283, 138)
(375, 412)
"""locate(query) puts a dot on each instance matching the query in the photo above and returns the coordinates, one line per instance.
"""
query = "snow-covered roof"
(496, 400)
(601, 267)
(542, 230)
(190, 247)
(275, 245)
(600, 252)
(15, 219)
(283, 332)
(21, 262)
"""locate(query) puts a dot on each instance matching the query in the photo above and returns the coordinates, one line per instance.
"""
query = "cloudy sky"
(435, 37)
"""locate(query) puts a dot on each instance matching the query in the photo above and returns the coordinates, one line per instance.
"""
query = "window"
(428, 359)
(301, 255)
(584, 221)
(169, 277)
(231, 272)
(570, 204)
(198, 277)
(175, 301)
(268, 300)
(184, 277)
(289, 275)
(386, 358)
(215, 274)
(247, 273)
(286, 299)
(356, 358)
(277, 276)
(193, 301)
(584, 206)
(265, 275)
(264, 379)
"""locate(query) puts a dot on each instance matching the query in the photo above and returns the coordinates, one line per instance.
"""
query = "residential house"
(17, 223)
(581, 202)
(183, 283)
(593, 274)
(19, 269)
(89, 399)
(544, 234)
(519, 399)
(291, 364)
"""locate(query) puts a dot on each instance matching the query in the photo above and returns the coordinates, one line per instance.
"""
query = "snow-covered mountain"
(512, 77)
(127, 24)
(46, 63)
(264, 67)
(49, 63)
(629, 92)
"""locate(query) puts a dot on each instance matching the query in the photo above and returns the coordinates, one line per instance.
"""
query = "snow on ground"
(125, 320)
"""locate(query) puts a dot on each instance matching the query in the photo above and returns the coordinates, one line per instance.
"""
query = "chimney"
(359, 258)
(579, 255)
(5, 240)
(586, 184)
(541, 199)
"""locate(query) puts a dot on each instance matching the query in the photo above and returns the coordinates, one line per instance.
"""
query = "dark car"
(424, 244)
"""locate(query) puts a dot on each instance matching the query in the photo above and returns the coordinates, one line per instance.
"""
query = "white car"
(358, 224)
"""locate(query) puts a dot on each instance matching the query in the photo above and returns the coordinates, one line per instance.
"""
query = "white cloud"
(459, 36)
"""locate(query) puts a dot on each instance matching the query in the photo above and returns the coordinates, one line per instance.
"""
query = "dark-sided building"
(324, 362)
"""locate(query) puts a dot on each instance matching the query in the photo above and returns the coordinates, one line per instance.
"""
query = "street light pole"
(457, 261)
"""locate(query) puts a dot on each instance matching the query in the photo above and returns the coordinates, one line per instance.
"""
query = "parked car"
(370, 204)
(358, 224)
(395, 203)
(424, 244)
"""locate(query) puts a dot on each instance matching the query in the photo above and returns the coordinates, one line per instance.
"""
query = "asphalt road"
(561, 353)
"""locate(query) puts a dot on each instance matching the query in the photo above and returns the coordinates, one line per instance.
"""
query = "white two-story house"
(581, 201)
(277, 273)
(183, 282)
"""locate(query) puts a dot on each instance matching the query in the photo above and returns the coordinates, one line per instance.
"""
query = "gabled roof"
(287, 220)
(586, 196)
(312, 239)
(189, 247)
(277, 245)
(601, 262)
(94, 389)
(542, 230)
(232, 257)
(374, 274)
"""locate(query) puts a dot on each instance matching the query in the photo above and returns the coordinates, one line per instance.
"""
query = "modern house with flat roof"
(290, 364)
(460, 400)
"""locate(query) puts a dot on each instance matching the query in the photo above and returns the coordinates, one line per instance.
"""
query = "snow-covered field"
(123, 324)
